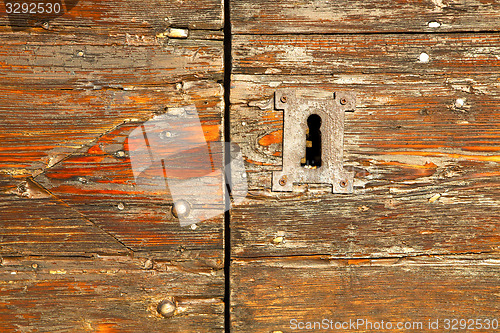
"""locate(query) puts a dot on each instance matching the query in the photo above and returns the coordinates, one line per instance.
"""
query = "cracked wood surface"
(37, 223)
(80, 250)
(450, 55)
(47, 87)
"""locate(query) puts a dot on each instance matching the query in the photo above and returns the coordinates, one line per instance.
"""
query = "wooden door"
(417, 241)
(85, 248)
(82, 248)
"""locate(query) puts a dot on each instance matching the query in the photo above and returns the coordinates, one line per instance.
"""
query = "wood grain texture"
(135, 15)
(102, 252)
(101, 185)
(387, 222)
(61, 91)
(268, 293)
(322, 17)
(101, 63)
(449, 54)
(48, 226)
(43, 125)
(419, 130)
(35, 222)
(81, 60)
(423, 143)
(111, 294)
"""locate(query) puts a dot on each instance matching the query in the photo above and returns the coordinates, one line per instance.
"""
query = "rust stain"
(273, 137)
(493, 158)
(106, 328)
(428, 165)
(211, 132)
(482, 149)
(358, 261)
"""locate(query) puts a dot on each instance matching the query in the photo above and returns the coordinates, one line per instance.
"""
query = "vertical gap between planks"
(227, 159)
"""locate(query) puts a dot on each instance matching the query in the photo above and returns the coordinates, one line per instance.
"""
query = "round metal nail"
(343, 101)
(283, 99)
(166, 308)
(282, 181)
(181, 208)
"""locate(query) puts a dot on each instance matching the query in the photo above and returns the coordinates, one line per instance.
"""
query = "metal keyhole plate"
(297, 107)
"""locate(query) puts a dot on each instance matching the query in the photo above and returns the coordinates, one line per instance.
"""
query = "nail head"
(424, 57)
(181, 208)
(166, 308)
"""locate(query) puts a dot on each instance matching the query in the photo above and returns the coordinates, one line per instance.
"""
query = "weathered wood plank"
(45, 59)
(43, 125)
(100, 183)
(450, 54)
(82, 84)
(407, 142)
(423, 143)
(420, 130)
(109, 294)
(136, 14)
(268, 294)
(317, 16)
(457, 216)
(68, 84)
(98, 67)
(34, 222)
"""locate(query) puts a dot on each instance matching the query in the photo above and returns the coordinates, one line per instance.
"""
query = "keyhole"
(312, 160)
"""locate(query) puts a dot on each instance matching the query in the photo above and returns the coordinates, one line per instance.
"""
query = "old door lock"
(313, 140)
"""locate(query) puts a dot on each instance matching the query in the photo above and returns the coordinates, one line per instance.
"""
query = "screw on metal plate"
(298, 165)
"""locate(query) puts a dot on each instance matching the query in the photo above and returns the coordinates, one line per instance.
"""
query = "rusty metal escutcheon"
(298, 106)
